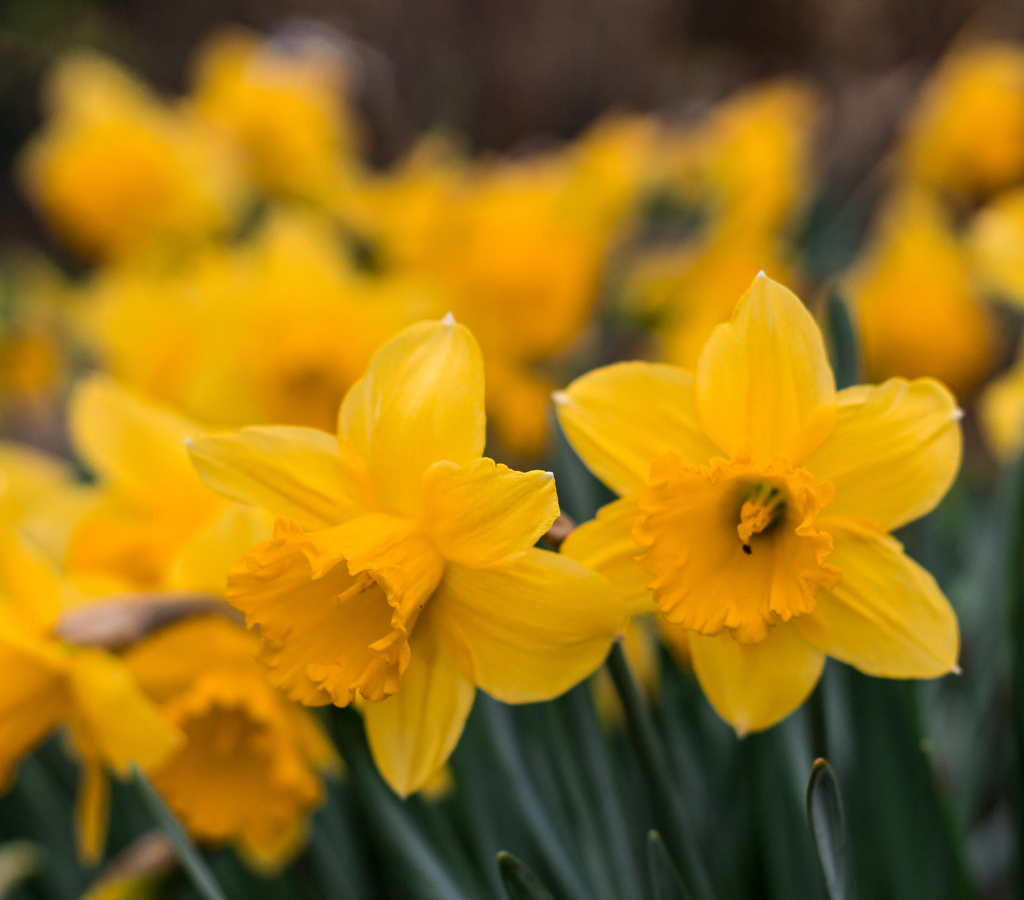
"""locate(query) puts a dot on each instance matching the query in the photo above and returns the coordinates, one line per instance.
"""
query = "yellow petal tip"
(958, 414)
(956, 670)
(560, 397)
(448, 320)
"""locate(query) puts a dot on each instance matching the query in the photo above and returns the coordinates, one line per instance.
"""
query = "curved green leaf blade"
(666, 883)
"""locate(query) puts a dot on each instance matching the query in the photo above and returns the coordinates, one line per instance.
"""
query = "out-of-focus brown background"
(510, 73)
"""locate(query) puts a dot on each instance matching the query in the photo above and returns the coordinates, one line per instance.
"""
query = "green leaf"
(828, 828)
(190, 857)
(19, 860)
(666, 883)
(520, 883)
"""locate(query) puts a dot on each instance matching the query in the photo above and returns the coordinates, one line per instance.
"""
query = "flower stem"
(675, 824)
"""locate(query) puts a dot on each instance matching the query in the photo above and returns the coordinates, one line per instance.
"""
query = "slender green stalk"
(1014, 479)
(189, 855)
(676, 827)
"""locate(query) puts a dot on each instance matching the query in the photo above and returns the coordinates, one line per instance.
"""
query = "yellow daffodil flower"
(248, 772)
(272, 330)
(967, 133)
(1002, 411)
(282, 103)
(995, 243)
(756, 505)
(46, 683)
(915, 303)
(402, 570)
(114, 169)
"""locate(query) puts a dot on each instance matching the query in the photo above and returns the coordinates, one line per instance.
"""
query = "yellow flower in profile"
(967, 133)
(114, 170)
(756, 505)
(995, 242)
(1002, 411)
(248, 772)
(282, 102)
(47, 684)
(402, 570)
(914, 300)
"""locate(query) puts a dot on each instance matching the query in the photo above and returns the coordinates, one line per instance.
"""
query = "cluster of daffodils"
(276, 371)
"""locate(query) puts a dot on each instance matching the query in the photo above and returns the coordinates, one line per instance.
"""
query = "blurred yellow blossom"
(248, 772)
(914, 300)
(996, 245)
(1002, 410)
(47, 683)
(967, 132)
(402, 569)
(272, 330)
(756, 503)
(114, 169)
(282, 101)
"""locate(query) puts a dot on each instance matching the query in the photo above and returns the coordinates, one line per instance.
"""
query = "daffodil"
(282, 102)
(45, 683)
(1002, 410)
(757, 503)
(914, 300)
(249, 769)
(995, 242)
(967, 132)
(115, 170)
(274, 329)
(402, 569)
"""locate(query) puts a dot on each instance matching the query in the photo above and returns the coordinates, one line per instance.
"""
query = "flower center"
(762, 509)
(706, 579)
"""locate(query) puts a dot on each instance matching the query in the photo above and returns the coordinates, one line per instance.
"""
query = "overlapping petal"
(297, 473)
(620, 418)
(420, 401)
(753, 686)
(413, 733)
(763, 385)
(530, 627)
(606, 545)
(887, 616)
(894, 453)
(481, 512)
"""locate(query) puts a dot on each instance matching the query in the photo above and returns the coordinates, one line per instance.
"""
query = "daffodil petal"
(894, 453)
(412, 733)
(763, 385)
(481, 512)
(620, 418)
(92, 813)
(753, 686)
(33, 699)
(420, 401)
(118, 720)
(530, 627)
(204, 563)
(134, 444)
(887, 616)
(296, 473)
(606, 545)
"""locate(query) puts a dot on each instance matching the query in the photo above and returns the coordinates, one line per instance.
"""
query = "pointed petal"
(298, 473)
(887, 617)
(530, 627)
(92, 813)
(753, 686)
(763, 384)
(33, 697)
(204, 563)
(894, 453)
(481, 512)
(421, 401)
(116, 718)
(413, 732)
(136, 445)
(620, 418)
(606, 545)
